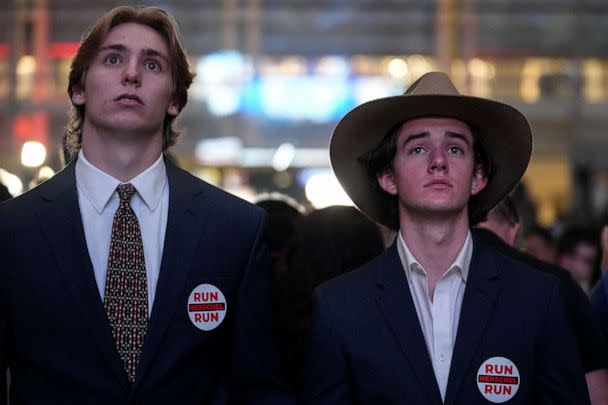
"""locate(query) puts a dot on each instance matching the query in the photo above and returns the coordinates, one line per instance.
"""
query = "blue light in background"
(304, 175)
(316, 99)
(227, 84)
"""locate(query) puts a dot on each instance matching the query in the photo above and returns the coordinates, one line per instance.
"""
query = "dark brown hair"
(152, 17)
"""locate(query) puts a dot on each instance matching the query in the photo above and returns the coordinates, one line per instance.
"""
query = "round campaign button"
(206, 307)
(498, 379)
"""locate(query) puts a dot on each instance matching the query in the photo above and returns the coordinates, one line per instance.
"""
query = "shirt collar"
(151, 182)
(462, 261)
(99, 186)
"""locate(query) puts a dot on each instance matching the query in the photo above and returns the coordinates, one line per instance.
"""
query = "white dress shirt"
(439, 318)
(98, 202)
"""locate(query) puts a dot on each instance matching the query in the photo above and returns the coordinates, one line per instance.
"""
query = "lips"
(129, 98)
(438, 183)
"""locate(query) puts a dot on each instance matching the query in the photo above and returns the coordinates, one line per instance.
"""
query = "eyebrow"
(458, 135)
(154, 53)
(144, 52)
(413, 137)
(426, 134)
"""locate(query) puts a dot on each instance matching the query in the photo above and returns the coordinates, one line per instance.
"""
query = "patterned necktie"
(126, 295)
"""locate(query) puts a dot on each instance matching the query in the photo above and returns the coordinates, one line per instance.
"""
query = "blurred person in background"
(599, 295)
(500, 230)
(325, 243)
(125, 279)
(538, 242)
(577, 252)
(503, 221)
(440, 316)
(283, 211)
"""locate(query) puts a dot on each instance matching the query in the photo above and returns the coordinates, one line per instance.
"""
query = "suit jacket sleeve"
(591, 341)
(599, 302)
(559, 374)
(3, 325)
(3, 353)
(256, 362)
(325, 370)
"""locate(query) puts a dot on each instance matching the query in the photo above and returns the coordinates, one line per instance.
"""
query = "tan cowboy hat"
(502, 130)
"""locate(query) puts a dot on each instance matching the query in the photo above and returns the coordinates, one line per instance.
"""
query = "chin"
(446, 205)
(437, 210)
(137, 127)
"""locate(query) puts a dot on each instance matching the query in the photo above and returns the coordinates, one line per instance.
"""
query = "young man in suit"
(500, 230)
(124, 278)
(438, 317)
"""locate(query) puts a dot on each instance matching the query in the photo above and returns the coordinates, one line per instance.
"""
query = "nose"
(131, 75)
(438, 161)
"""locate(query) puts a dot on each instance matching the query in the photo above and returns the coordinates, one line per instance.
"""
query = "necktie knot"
(125, 192)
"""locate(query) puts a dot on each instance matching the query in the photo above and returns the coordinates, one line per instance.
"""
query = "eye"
(455, 149)
(416, 150)
(152, 65)
(111, 59)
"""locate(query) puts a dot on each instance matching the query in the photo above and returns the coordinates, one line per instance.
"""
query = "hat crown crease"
(433, 83)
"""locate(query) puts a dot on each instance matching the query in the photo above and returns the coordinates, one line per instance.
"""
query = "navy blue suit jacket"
(54, 334)
(599, 302)
(367, 345)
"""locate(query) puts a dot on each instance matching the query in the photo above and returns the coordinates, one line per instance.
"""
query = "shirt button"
(442, 357)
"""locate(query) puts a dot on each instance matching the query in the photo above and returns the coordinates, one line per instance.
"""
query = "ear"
(173, 109)
(480, 180)
(78, 95)
(386, 181)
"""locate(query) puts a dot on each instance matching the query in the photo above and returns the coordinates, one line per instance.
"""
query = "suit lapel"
(185, 222)
(397, 306)
(61, 224)
(477, 306)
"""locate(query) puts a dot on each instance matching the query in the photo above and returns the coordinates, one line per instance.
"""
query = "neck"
(121, 156)
(435, 243)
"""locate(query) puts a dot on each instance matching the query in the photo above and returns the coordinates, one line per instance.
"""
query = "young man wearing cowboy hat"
(439, 317)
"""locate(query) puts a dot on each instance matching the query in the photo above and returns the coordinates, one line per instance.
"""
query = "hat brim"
(502, 130)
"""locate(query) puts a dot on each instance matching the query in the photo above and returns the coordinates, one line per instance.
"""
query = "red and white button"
(498, 379)
(206, 307)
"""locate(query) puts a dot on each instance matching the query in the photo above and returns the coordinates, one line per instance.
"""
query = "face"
(433, 171)
(128, 86)
(580, 262)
